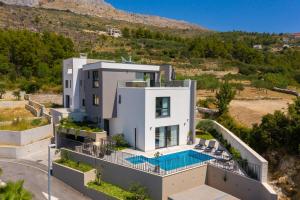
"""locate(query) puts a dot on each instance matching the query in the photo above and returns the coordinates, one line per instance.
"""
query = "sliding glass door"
(166, 136)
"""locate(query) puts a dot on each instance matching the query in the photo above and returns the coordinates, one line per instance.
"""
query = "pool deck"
(169, 150)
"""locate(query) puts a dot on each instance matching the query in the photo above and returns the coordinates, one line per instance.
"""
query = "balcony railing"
(143, 84)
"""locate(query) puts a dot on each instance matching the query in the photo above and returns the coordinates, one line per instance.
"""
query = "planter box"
(96, 136)
(73, 177)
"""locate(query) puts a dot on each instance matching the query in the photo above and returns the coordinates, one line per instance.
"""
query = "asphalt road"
(36, 180)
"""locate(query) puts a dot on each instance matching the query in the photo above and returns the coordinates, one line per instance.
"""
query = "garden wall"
(21, 138)
(245, 151)
(238, 186)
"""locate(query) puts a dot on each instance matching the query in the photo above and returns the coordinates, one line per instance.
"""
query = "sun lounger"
(219, 151)
(211, 146)
(201, 144)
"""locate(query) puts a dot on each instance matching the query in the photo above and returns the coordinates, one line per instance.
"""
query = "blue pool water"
(172, 161)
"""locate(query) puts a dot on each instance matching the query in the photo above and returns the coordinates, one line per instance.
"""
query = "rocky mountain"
(102, 9)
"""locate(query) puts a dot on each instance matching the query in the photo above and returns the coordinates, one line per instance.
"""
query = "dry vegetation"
(9, 114)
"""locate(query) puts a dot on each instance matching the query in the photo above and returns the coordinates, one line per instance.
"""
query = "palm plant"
(15, 191)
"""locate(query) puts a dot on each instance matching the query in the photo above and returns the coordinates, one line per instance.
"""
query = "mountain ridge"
(100, 8)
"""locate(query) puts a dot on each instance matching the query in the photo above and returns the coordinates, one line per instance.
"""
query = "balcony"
(143, 84)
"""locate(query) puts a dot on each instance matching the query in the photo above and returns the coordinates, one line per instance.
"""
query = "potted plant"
(157, 167)
(190, 138)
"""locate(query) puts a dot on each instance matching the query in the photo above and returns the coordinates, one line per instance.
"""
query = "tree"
(224, 97)
(17, 94)
(2, 90)
(16, 191)
(240, 87)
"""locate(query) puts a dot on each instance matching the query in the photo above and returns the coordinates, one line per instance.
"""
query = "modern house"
(143, 102)
(156, 115)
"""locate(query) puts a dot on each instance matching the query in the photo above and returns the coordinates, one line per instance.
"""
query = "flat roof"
(121, 66)
(202, 192)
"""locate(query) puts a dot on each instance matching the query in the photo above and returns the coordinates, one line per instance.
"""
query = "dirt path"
(249, 112)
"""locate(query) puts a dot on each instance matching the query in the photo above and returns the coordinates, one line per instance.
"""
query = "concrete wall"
(21, 138)
(72, 177)
(245, 151)
(238, 186)
(16, 152)
(33, 110)
(183, 180)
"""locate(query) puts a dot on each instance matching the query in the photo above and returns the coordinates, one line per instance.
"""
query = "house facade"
(143, 102)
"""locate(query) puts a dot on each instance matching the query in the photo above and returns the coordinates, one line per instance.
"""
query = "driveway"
(36, 179)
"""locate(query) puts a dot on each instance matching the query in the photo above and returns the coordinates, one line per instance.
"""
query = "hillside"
(102, 9)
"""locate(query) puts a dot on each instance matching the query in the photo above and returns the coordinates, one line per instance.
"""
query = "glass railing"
(140, 83)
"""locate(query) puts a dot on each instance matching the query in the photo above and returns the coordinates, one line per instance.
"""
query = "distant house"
(114, 32)
(285, 39)
(295, 35)
(257, 46)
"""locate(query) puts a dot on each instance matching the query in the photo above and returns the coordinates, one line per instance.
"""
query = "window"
(66, 83)
(95, 100)
(119, 99)
(83, 102)
(162, 106)
(95, 79)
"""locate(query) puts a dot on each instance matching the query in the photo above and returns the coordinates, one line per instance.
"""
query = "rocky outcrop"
(102, 9)
(30, 3)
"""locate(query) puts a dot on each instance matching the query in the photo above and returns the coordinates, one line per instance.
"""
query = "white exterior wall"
(137, 110)
(179, 113)
(74, 64)
(131, 115)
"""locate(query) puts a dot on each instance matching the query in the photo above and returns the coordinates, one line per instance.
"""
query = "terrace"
(162, 161)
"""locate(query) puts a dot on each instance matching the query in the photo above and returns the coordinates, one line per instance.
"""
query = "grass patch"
(9, 114)
(87, 126)
(110, 190)
(21, 125)
(75, 165)
(204, 135)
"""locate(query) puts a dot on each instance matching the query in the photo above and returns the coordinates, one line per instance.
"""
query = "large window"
(95, 79)
(166, 136)
(162, 106)
(95, 100)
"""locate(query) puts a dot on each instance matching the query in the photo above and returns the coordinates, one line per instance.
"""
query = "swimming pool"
(172, 161)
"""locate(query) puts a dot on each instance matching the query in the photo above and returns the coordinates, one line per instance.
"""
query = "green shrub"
(120, 141)
(138, 192)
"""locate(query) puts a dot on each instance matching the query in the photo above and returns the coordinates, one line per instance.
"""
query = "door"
(106, 126)
(67, 101)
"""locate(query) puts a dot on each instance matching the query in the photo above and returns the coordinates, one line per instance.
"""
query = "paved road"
(36, 179)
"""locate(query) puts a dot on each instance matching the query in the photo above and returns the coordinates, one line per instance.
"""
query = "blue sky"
(223, 15)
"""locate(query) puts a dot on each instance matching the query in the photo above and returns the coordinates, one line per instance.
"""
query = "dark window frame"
(66, 83)
(94, 100)
(159, 108)
(95, 75)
